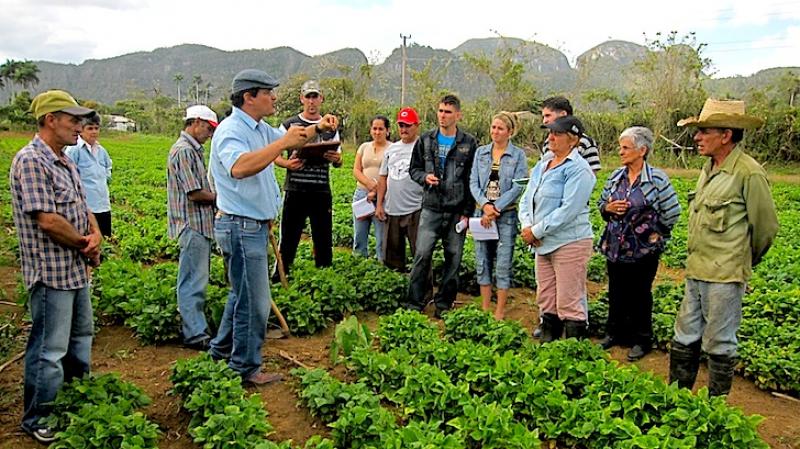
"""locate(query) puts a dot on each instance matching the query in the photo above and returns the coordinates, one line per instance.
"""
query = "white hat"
(202, 112)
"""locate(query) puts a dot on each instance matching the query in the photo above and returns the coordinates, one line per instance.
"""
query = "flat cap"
(250, 78)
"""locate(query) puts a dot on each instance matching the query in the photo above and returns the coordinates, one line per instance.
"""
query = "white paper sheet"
(480, 233)
(363, 208)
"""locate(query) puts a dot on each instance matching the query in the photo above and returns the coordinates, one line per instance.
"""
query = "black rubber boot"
(552, 327)
(576, 329)
(720, 374)
(684, 361)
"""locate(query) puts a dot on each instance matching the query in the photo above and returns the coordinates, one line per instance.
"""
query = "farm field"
(137, 325)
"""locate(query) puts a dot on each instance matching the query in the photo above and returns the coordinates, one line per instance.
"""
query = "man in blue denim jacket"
(441, 163)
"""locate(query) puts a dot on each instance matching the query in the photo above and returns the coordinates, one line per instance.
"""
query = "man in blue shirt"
(248, 197)
(94, 167)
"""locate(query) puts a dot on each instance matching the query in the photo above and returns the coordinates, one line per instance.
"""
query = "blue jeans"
(711, 312)
(361, 231)
(193, 267)
(243, 242)
(434, 226)
(59, 346)
(497, 254)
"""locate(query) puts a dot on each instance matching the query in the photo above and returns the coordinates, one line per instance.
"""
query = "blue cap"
(250, 78)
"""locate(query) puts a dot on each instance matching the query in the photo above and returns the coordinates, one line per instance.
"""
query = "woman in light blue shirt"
(491, 183)
(554, 212)
(94, 168)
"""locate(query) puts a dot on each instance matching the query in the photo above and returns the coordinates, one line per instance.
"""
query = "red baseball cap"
(408, 116)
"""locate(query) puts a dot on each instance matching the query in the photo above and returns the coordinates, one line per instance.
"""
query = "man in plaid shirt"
(58, 237)
(190, 213)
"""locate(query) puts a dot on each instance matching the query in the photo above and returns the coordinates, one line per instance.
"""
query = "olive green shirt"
(732, 220)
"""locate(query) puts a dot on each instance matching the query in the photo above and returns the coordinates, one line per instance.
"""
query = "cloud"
(103, 29)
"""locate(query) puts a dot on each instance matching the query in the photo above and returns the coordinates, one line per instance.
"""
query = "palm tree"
(197, 79)
(7, 72)
(178, 79)
(27, 74)
(207, 91)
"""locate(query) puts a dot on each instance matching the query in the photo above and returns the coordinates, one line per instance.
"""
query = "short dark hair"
(237, 98)
(452, 100)
(92, 119)
(557, 104)
(737, 135)
(189, 122)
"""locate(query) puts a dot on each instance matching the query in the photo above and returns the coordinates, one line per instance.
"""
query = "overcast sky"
(743, 36)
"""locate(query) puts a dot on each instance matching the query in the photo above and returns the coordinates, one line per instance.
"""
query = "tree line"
(663, 87)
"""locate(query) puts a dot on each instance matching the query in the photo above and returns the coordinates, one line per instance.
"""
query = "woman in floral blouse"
(640, 207)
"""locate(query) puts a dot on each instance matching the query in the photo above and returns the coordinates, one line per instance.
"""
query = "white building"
(120, 123)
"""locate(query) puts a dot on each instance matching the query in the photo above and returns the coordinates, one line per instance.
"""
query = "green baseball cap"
(57, 101)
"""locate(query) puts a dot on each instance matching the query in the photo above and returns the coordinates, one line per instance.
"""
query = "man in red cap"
(399, 197)
(190, 212)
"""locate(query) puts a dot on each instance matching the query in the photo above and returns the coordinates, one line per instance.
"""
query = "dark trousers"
(316, 206)
(396, 230)
(434, 226)
(630, 301)
(104, 222)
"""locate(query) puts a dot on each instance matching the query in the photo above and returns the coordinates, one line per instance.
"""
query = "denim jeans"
(243, 242)
(497, 255)
(59, 346)
(361, 231)
(193, 266)
(433, 226)
(711, 312)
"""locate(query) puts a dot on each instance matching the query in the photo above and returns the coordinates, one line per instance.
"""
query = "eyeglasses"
(405, 125)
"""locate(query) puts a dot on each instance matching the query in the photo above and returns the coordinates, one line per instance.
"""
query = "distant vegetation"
(615, 85)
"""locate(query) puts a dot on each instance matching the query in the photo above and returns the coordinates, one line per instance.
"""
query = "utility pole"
(403, 72)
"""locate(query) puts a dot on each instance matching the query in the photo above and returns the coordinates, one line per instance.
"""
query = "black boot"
(684, 361)
(552, 327)
(576, 329)
(720, 374)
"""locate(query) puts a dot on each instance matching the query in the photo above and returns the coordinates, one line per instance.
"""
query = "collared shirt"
(41, 181)
(556, 202)
(257, 196)
(647, 224)
(186, 173)
(732, 220)
(587, 148)
(94, 167)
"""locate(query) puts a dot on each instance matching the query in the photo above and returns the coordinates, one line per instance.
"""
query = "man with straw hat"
(732, 223)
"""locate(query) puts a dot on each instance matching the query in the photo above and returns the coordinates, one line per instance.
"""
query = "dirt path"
(115, 349)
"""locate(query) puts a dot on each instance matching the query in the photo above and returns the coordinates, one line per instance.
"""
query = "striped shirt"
(42, 181)
(587, 148)
(186, 173)
(315, 175)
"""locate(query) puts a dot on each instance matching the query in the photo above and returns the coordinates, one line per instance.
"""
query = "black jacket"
(452, 194)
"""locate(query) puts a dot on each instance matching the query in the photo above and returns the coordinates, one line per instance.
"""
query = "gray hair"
(641, 136)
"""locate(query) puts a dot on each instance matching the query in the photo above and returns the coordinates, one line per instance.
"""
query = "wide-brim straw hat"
(723, 114)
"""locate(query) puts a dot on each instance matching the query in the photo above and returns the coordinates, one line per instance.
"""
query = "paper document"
(521, 181)
(480, 233)
(363, 208)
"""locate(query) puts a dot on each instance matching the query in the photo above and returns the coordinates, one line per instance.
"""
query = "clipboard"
(315, 151)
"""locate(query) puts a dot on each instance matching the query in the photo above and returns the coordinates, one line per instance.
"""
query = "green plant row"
(510, 393)
(318, 296)
(99, 412)
(223, 415)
